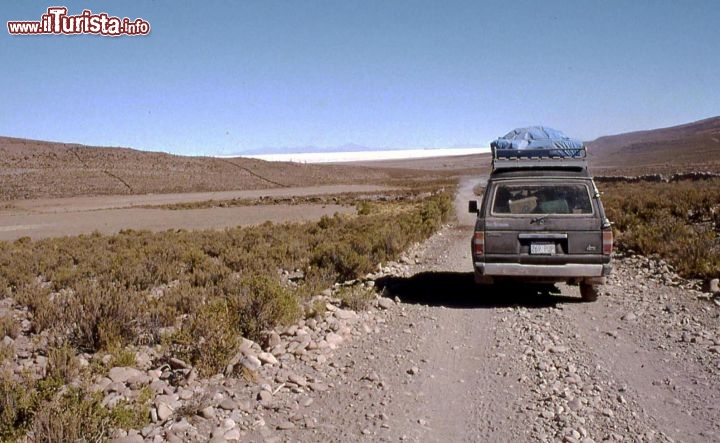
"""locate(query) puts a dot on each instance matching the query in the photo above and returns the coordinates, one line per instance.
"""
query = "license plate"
(542, 248)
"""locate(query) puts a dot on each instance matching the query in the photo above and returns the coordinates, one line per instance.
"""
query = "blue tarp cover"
(535, 139)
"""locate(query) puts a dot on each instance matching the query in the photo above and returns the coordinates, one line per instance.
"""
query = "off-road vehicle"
(541, 220)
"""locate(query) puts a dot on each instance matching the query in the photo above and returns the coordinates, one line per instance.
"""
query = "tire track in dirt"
(253, 173)
(104, 171)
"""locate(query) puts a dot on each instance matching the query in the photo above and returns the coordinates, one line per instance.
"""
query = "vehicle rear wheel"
(588, 292)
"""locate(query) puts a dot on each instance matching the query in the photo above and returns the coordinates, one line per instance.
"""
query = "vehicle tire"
(588, 292)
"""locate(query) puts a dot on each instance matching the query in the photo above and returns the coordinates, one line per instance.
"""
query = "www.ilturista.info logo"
(56, 21)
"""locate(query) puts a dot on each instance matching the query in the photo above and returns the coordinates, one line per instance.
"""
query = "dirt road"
(108, 214)
(453, 362)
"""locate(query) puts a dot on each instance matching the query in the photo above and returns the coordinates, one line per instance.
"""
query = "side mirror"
(472, 206)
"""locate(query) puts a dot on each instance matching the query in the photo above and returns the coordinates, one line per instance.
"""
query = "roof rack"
(556, 158)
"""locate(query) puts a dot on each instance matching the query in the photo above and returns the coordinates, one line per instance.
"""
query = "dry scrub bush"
(209, 338)
(136, 415)
(259, 303)
(243, 308)
(16, 407)
(62, 364)
(37, 298)
(355, 297)
(9, 326)
(342, 258)
(52, 411)
(99, 292)
(7, 352)
(178, 300)
(363, 242)
(101, 317)
(315, 281)
(677, 221)
(316, 309)
(73, 415)
(123, 357)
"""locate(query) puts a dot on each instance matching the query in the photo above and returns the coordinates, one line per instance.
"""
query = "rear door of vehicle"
(543, 221)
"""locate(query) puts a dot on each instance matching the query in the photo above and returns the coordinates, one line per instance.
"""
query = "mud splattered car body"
(541, 220)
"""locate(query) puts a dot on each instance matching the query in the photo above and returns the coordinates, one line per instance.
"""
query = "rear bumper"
(589, 273)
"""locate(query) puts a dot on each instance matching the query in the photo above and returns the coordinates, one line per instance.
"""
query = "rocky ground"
(436, 358)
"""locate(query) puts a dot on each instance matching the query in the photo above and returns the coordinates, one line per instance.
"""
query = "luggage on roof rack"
(537, 147)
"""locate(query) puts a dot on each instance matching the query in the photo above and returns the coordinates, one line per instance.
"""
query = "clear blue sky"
(220, 77)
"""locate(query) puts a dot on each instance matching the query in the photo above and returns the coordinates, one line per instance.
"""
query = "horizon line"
(357, 156)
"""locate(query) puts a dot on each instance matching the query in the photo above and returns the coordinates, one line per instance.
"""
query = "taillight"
(479, 243)
(607, 241)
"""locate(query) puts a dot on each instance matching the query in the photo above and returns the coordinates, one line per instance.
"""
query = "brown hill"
(692, 146)
(35, 169)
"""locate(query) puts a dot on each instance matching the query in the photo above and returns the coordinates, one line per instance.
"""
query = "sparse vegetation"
(16, 408)
(72, 415)
(95, 293)
(316, 309)
(9, 327)
(362, 200)
(355, 297)
(678, 221)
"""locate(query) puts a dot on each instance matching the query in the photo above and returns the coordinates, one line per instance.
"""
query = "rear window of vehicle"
(550, 198)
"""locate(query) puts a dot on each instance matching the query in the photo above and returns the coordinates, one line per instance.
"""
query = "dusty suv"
(541, 221)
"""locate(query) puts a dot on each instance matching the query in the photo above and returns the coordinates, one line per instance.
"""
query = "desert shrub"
(259, 303)
(315, 281)
(209, 338)
(9, 326)
(343, 259)
(364, 207)
(316, 309)
(431, 216)
(364, 242)
(699, 258)
(210, 273)
(135, 415)
(62, 364)
(677, 221)
(45, 313)
(100, 292)
(7, 351)
(391, 241)
(54, 412)
(242, 307)
(15, 405)
(73, 415)
(355, 297)
(327, 222)
(178, 299)
(123, 357)
(91, 315)
(435, 212)
(17, 264)
(100, 317)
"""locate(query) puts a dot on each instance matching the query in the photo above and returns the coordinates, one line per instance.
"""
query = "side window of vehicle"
(501, 203)
(580, 200)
